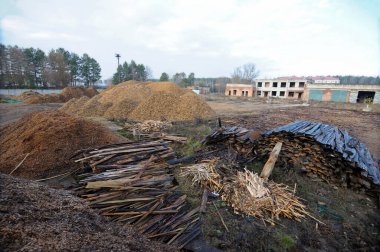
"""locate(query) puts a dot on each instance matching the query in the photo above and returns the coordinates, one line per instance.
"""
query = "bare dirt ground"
(12, 112)
(259, 115)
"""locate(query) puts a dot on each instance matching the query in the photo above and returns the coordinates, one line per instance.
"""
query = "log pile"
(133, 183)
(321, 151)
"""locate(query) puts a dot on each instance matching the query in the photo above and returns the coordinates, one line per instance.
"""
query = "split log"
(269, 165)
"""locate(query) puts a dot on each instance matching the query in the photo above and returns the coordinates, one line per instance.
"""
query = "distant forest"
(349, 79)
(32, 68)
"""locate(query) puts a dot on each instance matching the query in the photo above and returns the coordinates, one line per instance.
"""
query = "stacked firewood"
(132, 183)
(316, 160)
(319, 161)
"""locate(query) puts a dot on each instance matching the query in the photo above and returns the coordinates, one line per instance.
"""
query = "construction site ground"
(351, 219)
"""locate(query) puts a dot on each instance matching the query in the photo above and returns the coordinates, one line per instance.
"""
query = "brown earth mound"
(49, 139)
(34, 217)
(145, 101)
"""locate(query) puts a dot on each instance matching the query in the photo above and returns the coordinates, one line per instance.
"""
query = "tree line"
(131, 71)
(350, 79)
(32, 67)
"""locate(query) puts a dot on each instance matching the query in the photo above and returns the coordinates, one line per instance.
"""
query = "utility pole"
(118, 64)
(118, 57)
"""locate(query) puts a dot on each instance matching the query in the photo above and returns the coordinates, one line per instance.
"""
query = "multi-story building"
(283, 87)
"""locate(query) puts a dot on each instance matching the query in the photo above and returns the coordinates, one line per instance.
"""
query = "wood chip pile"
(142, 101)
(46, 141)
(67, 93)
(247, 193)
(133, 184)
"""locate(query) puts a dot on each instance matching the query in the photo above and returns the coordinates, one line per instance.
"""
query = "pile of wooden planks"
(132, 183)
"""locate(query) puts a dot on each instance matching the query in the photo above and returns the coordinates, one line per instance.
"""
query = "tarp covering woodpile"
(339, 140)
(321, 150)
(140, 101)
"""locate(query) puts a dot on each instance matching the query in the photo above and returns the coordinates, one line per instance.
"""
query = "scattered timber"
(132, 183)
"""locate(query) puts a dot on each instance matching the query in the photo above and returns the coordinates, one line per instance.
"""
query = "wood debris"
(148, 126)
(248, 193)
(132, 183)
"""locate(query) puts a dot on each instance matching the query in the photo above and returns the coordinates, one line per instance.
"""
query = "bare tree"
(245, 73)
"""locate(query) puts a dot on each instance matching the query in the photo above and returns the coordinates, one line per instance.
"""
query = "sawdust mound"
(146, 101)
(50, 138)
(34, 217)
(120, 110)
(68, 93)
(190, 106)
(94, 107)
(26, 95)
(74, 105)
(160, 106)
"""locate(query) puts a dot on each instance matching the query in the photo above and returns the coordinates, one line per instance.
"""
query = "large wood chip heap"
(321, 151)
(142, 101)
(247, 193)
(132, 183)
(40, 144)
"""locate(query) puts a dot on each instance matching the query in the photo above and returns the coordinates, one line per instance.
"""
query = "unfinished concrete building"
(247, 90)
(282, 87)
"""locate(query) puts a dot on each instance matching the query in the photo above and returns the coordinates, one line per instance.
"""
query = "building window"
(235, 91)
(274, 84)
(283, 84)
(229, 92)
(258, 93)
(266, 93)
(267, 84)
(292, 84)
(259, 84)
(274, 93)
(246, 93)
(291, 94)
(282, 93)
(242, 93)
(302, 84)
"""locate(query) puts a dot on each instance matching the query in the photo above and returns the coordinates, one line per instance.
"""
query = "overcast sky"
(207, 37)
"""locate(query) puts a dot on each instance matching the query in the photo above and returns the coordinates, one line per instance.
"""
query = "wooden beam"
(269, 165)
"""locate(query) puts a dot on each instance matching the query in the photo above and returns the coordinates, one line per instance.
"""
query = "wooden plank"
(269, 165)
